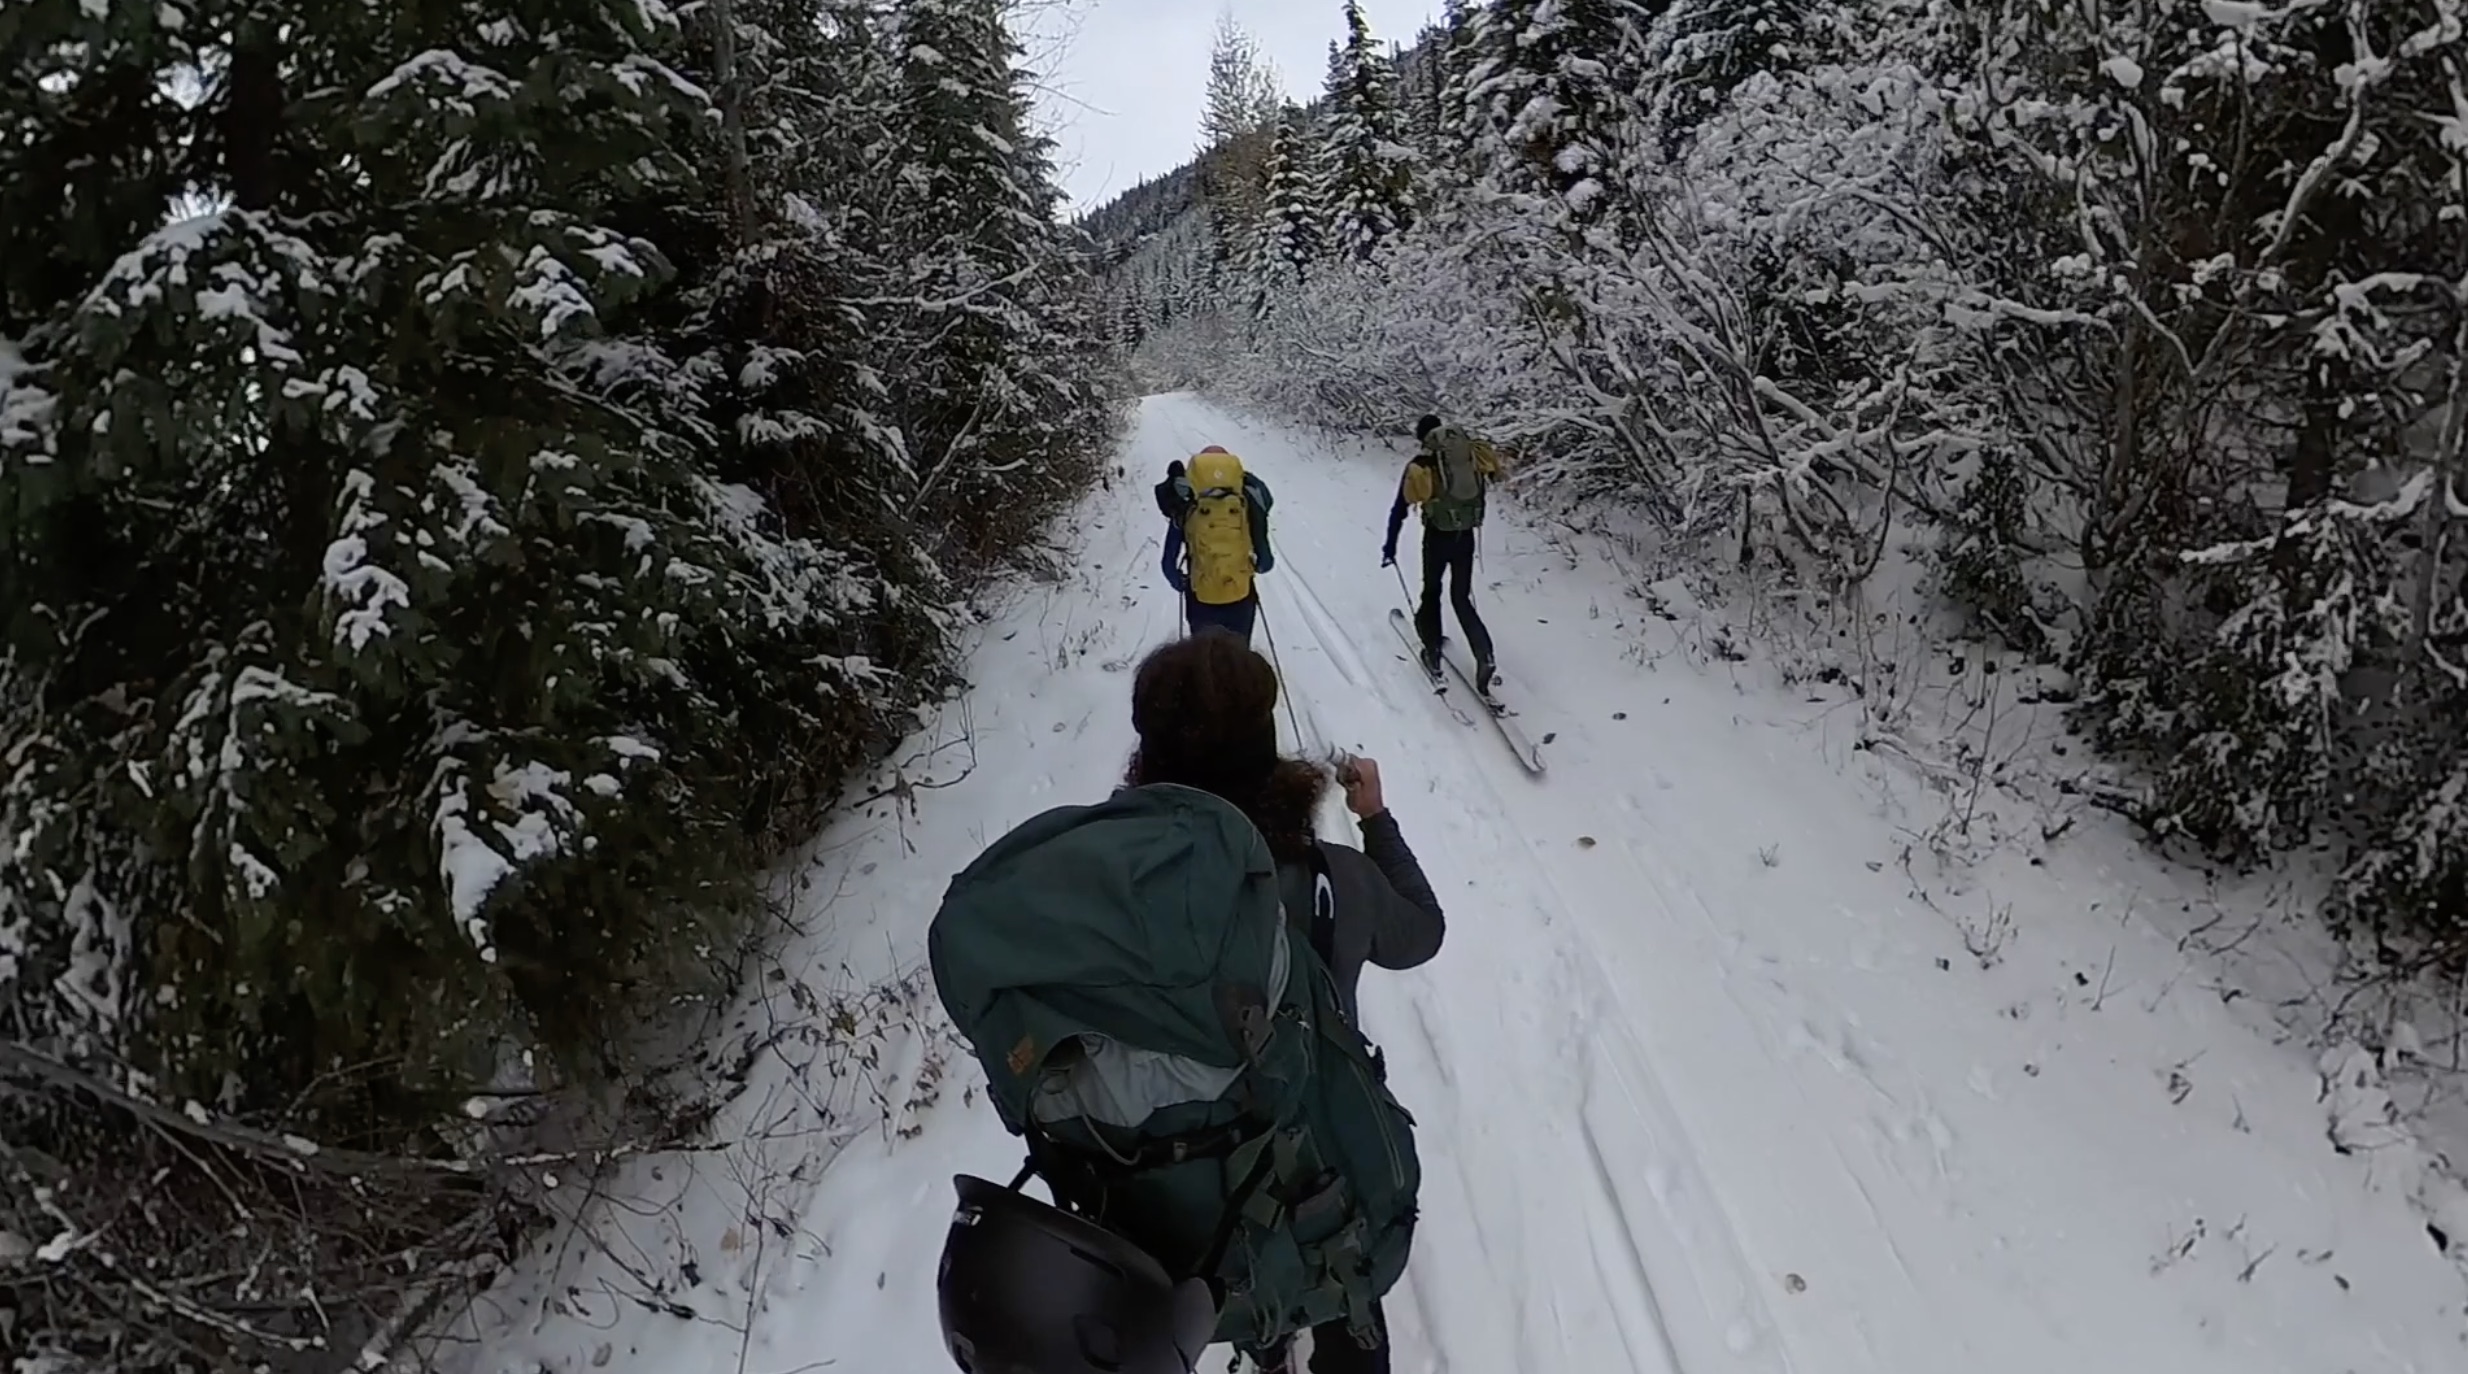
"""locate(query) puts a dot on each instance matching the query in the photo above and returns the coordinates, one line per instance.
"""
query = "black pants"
(1235, 617)
(1450, 552)
(1334, 1351)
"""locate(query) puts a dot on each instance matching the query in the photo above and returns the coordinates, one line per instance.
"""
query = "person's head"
(1205, 709)
(1175, 468)
(1424, 426)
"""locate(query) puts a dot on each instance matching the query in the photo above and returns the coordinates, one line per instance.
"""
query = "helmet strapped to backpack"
(1158, 1027)
(1025, 1288)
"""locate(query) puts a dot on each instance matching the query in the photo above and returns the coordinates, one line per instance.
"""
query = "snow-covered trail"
(1705, 1085)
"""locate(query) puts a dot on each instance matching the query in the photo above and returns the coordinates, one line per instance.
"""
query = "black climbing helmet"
(1028, 1289)
(1424, 426)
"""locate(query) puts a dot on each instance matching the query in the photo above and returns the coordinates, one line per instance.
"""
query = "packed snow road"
(1704, 1086)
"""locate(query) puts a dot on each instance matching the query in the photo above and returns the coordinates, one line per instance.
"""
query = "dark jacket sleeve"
(1172, 563)
(1263, 556)
(1396, 517)
(1408, 926)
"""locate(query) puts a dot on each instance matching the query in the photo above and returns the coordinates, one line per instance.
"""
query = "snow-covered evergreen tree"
(1556, 87)
(1701, 50)
(1371, 167)
(1292, 231)
(1457, 55)
(1421, 82)
(362, 555)
(1237, 121)
(387, 407)
(421, 544)
(998, 408)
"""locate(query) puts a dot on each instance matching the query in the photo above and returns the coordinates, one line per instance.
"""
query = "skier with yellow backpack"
(1216, 540)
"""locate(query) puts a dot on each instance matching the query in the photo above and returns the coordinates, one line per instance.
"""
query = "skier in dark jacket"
(1205, 712)
(1446, 479)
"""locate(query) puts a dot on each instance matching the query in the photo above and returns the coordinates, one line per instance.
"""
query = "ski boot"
(1484, 673)
(1431, 662)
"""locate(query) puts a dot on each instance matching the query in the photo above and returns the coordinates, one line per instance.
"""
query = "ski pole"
(1412, 606)
(1285, 685)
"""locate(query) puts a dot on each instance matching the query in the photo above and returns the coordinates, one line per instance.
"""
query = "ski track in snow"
(1702, 1087)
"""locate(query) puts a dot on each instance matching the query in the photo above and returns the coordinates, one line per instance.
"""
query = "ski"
(1519, 743)
(1414, 655)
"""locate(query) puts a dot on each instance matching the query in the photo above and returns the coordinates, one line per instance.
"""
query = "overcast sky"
(1123, 79)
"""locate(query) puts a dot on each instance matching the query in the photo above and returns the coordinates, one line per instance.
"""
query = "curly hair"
(1205, 709)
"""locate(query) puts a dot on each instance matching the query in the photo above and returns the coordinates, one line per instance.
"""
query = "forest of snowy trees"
(475, 480)
(2138, 331)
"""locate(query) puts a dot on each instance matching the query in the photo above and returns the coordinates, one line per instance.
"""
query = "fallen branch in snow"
(288, 1152)
(298, 1154)
(208, 1245)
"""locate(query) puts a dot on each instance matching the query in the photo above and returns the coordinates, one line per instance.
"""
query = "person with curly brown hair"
(1161, 991)
(1204, 709)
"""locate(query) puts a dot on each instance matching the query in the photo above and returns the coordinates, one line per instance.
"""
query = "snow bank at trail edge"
(1708, 1079)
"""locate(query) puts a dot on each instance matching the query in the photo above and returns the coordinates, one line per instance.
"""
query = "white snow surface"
(1706, 1081)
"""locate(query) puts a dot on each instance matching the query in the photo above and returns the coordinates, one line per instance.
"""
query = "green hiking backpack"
(1457, 482)
(1165, 1037)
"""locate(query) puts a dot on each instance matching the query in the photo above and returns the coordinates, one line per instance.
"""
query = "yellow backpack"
(1217, 529)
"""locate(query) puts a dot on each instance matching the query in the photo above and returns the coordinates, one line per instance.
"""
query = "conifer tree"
(362, 573)
(1553, 93)
(1371, 167)
(1458, 54)
(1703, 49)
(997, 406)
(385, 515)
(419, 546)
(1291, 229)
(1237, 121)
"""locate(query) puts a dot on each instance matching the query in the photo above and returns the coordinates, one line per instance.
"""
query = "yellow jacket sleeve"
(1486, 458)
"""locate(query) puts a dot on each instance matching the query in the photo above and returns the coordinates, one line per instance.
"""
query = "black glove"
(1388, 555)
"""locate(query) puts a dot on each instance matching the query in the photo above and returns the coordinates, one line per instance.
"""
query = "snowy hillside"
(1713, 1074)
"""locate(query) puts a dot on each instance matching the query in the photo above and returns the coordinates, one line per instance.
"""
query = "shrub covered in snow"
(543, 452)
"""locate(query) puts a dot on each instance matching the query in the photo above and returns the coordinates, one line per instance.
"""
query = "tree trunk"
(732, 120)
(252, 122)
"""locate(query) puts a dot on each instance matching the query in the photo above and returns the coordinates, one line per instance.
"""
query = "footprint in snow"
(1983, 1082)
